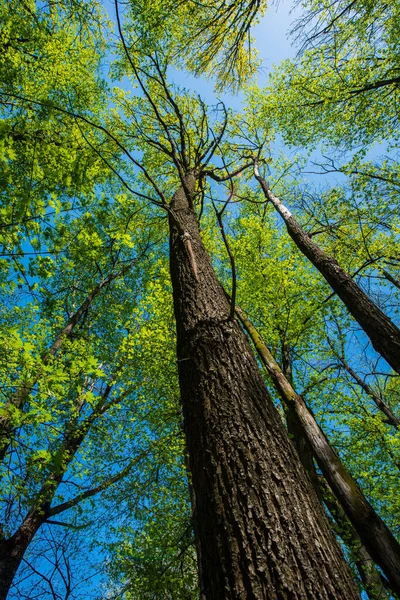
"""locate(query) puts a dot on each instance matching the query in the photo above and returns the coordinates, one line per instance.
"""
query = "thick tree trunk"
(378, 540)
(382, 332)
(262, 532)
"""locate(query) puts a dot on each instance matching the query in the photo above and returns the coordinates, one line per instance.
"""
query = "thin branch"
(56, 510)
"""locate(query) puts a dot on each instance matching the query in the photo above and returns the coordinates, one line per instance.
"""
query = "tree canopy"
(149, 240)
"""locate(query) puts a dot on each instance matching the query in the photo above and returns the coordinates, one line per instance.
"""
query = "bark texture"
(382, 332)
(262, 532)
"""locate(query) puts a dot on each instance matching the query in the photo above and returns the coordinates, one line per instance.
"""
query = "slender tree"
(383, 333)
(376, 537)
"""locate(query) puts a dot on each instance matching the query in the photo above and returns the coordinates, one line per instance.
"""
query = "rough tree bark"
(382, 332)
(376, 537)
(262, 532)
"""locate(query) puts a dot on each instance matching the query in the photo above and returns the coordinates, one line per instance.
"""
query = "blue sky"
(273, 44)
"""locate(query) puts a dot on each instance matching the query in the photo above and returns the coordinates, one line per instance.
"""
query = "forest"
(199, 315)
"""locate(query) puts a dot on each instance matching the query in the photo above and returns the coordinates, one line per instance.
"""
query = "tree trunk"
(371, 578)
(382, 332)
(374, 583)
(262, 533)
(377, 538)
(13, 549)
(295, 429)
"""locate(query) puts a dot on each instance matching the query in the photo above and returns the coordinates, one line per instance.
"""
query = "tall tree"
(341, 92)
(384, 334)
(228, 414)
(259, 528)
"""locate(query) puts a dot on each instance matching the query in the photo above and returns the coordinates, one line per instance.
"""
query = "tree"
(161, 150)
(338, 84)
(384, 334)
(375, 536)
(209, 341)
